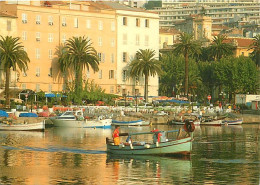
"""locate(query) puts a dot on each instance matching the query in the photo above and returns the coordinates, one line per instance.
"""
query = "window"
(125, 21)
(113, 26)
(50, 20)
(23, 86)
(137, 92)
(103, 57)
(8, 25)
(63, 21)
(111, 89)
(88, 24)
(112, 42)
(63, 40)
(50, 37)
(88, 73)
(37, 53)
(100, 74)
(38, 71)
(137, 22)
(111, 74)
(146, 41)
(38, 19)
(146, 23)
(24, 18)
(124, 39)
(37, 88)
(50, 53)
(136, 80)
(124, 76)
(76, 23)
(24, 35)
(243, 53)
(99, 41)
(112, 58)
(124, 57)
(100, 25)
(38, 36)
(137, 40)
(50, 72)
(50, 88)
(99, 57)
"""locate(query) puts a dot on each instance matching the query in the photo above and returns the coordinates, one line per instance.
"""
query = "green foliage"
(77, 55)
(145, 65)
(151, 4)
(12, 55)
(255, 55)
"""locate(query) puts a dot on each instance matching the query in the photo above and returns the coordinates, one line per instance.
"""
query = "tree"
(145, 65)
(151, 4)
(78, 54)
(187, 46)
(12, 55)
(255, 55)
(219, 49)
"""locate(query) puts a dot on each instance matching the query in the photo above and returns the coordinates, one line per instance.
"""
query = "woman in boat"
(116, 135)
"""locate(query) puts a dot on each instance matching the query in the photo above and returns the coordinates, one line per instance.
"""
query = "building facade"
(44, 26)
(221, 11)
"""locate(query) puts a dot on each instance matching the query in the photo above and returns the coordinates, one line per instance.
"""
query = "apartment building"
(44, 26)
(136, 29)
(221, 11)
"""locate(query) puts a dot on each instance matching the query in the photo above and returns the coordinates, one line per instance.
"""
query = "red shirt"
(116, 133)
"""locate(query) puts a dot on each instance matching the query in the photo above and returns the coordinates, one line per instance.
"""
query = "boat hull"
(105, 123)
(212, 123)
(232, 122)
(131, 123)
(172, 147)
(196, 123)
(23, 127)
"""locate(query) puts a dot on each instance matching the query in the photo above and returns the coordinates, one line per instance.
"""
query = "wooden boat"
(176, 122)
(212, 122)
(40, 126)
(76, 120)
(232, 122)
(131, 123)
(180, 146)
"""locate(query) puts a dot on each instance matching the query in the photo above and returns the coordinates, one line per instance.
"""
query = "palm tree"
(187, 46)
(78, 54)
(256, 50)
(219, 49)
(145, 65)
(12, 55)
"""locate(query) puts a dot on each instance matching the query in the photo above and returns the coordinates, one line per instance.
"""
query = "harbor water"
(220, 155)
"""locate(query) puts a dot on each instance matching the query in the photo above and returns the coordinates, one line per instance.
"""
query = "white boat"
(40, 126)
(76, 120)
(232, 122)
(131, 123)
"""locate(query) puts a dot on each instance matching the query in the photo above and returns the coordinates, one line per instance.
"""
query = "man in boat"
(116, 135)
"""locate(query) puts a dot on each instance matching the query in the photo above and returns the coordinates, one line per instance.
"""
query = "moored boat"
(232, 122)
(76, 120)
(131, 123)
(40, 126)
(176, 122)
(212, 122)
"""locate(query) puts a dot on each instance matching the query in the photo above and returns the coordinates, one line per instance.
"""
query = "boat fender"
(189, 126)
(157, 144)
(147, 146)
(121, 146)
(131, 146)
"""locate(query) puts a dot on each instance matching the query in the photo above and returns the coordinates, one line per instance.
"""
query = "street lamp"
(135, 102)
(125, 98)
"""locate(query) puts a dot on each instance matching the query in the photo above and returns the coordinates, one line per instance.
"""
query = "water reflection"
(221, 155)
(147, 169)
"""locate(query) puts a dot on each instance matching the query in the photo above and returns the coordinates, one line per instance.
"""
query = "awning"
(51, 95)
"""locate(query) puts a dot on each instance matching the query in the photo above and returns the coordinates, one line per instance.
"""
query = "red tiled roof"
(240, 42)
